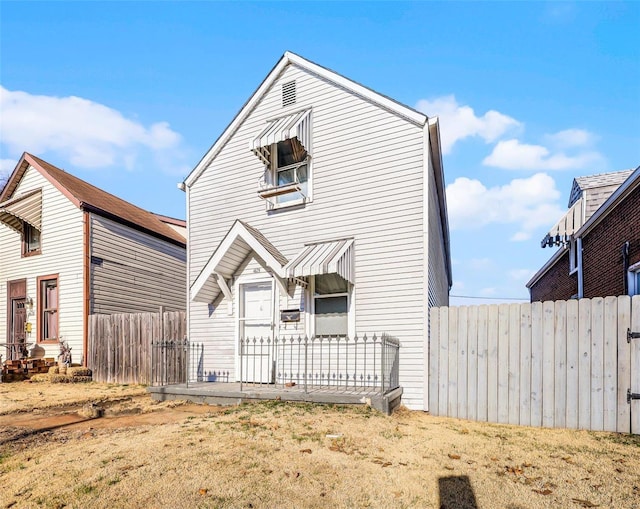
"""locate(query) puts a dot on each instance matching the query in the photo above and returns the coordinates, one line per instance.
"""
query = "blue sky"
(130, 95)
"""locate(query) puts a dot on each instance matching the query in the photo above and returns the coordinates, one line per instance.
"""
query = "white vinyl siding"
(438, 280)
(367, 184)
(133, 272)
(62, 254)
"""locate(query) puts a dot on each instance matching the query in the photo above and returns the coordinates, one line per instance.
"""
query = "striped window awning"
(333, 257)
(24, 208)
(297, 125)
(563, 230)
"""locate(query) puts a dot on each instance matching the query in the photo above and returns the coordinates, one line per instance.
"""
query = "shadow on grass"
(456, 493)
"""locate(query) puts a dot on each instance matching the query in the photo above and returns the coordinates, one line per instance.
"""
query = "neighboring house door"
(255, 316)
(17, 317)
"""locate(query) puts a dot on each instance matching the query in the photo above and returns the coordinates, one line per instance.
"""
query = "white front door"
(255, 316)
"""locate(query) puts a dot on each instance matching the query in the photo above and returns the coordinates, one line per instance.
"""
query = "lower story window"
(48, 308)
(331, 305)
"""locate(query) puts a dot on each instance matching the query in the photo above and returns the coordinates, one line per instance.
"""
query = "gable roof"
(595, 181)
(628, 185)
(289, 58)
(92, 199)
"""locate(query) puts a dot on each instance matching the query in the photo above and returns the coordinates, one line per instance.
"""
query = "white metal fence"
(563, 364)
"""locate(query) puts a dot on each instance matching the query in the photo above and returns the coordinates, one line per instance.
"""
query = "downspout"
(625, 268)
(580, 272)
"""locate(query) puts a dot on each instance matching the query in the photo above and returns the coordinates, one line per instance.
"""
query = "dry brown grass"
(291, 455)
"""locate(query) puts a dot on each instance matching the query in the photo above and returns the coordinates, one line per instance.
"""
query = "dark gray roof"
(596, 181)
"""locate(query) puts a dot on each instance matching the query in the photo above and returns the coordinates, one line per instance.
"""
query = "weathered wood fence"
(564, 364)
(120, 345)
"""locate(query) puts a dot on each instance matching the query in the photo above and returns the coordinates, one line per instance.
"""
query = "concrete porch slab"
(229, 394)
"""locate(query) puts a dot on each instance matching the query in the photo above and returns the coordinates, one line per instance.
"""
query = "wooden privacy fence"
(120, 345)
(563, 364)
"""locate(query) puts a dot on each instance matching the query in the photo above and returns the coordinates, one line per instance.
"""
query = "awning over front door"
(239, 242)
(297, 126)
(23, 208)
(332, 257)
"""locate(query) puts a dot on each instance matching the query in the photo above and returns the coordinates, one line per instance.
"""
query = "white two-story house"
(319, 213)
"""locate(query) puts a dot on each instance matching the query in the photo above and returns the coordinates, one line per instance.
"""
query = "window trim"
(310, 314)
(24, 252)
(633, 286)
(40, 308)
(574, 262)
(272, 170)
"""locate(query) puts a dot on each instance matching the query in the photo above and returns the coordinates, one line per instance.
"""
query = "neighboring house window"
(331, 305)
(634, 279)
(30, 240)
(48, 308)
(290, 167)
(573, 256)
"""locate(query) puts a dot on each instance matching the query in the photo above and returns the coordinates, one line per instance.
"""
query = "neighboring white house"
(68, 250)
(320, 210)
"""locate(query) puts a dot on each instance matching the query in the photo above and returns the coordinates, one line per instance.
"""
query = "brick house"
(599, 240)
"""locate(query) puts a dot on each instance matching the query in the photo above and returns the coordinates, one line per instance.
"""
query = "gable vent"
(288, 93)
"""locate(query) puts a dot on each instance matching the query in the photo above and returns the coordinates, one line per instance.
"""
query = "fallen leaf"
(494, 459)
(584, 503)
(454, 456)
(568, 459)
(448, 467)
(386, 464)
(526, 465)
(203, 491)
(403, 464)
(542, 492)
(619, 470)
(305, 451)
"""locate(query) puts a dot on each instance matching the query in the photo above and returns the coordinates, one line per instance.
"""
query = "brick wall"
(556, 283)
(602, 248)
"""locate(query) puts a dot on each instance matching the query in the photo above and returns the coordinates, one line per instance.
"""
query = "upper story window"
(30, 240)
(291, 168)
(284, 147)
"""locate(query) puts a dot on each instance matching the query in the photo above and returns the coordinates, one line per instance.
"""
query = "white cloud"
(458, 122)
(527, 203)
(521, 275)
(514, 155)
(570, 138)
(488, 291)
(520, 236)
(85, 133)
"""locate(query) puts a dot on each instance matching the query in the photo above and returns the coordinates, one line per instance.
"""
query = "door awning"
(333, 257)
(240, 241)
(26, 207)
(297, 125)
(562, 231)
